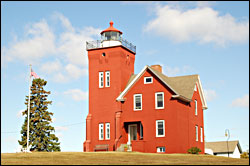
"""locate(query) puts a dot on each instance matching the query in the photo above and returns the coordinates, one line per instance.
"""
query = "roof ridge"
(185, 75)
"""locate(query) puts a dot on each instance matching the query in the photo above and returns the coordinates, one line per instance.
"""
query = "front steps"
(121, 148)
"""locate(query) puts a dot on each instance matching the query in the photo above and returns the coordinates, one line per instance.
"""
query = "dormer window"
(148, 80)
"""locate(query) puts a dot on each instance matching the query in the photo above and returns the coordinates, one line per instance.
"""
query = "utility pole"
(227, 134)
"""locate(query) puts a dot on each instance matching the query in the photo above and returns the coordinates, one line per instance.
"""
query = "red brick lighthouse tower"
(111, 63)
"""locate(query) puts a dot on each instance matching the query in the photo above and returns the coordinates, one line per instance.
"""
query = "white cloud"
(51, 67)
(202, 24)
(20, 113)
(74, 71)
(61, 128)
(61, 56)
(37, 43)
(210, 94)
(65, 21)
(241, 102)
(77, 94)
(174, 71)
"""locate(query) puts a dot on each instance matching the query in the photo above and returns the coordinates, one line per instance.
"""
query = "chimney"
(157, 67)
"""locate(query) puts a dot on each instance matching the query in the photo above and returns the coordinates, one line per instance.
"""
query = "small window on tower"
(103, 54)
(100, 79)
(107, 73)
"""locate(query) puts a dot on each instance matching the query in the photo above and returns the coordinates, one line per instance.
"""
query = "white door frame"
(129, 132)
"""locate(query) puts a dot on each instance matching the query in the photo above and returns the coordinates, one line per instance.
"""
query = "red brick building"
(148, 111)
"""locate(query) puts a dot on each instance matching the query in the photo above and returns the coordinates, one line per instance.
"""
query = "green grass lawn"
(115, 158)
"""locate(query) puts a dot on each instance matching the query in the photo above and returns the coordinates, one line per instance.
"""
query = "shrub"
(194, 150)
(244, 155)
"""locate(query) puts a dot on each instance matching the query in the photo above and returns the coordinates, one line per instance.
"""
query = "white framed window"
(148, 80)
(160, 149)
(159, 100)
(107, 131)
(138, 102)
(196, 133)
(101, 131)
(196, 111)
(107, 79)
(201, 134)
(100, 79)
(160, 128)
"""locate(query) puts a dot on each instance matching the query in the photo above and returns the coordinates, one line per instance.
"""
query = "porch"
(134, 132)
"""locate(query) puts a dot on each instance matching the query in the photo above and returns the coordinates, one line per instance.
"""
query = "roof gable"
(221, 146)
(182, 86)
(134, 78)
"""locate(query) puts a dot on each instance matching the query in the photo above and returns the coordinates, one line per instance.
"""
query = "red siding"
(102, 101)
(180, 119)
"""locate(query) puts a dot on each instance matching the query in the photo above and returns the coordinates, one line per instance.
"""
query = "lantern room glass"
(111, 36)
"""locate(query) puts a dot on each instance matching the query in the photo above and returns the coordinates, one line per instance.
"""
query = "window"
(100, 131)
(148, 80)
(196, 112)
(160, 149)
(107, 75)
(107, 132)
(103, 54)
(201, 135)
(196, 133)
(100, 79)
(160, 129)
(138, 102)
(141, 131)
(195, 89)
(159, 100)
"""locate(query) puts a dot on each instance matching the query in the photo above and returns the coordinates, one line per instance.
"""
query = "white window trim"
(157, 128)
(158, 149)
(148, 82)
(134, 102)
(129, 132)
(106, 78)
(101, 134)
(101, 83)
(196, 109)
(141, 131)
(196, 133)
(106, 131)
(201, 134)
(156, 107)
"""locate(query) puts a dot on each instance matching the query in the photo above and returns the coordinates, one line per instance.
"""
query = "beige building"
(221, 148)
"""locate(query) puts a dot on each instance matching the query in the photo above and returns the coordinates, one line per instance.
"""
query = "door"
(132, 133)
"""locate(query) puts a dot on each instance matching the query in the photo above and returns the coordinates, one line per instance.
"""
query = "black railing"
(98, 44)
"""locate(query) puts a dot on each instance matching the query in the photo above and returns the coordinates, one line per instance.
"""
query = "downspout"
(116, 142)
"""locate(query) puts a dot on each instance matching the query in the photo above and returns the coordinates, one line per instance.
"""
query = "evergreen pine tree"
(41, 137)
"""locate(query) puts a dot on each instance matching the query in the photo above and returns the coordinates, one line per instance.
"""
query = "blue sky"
(206, 38)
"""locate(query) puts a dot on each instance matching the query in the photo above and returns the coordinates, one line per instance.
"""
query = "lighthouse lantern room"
(110, 37)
